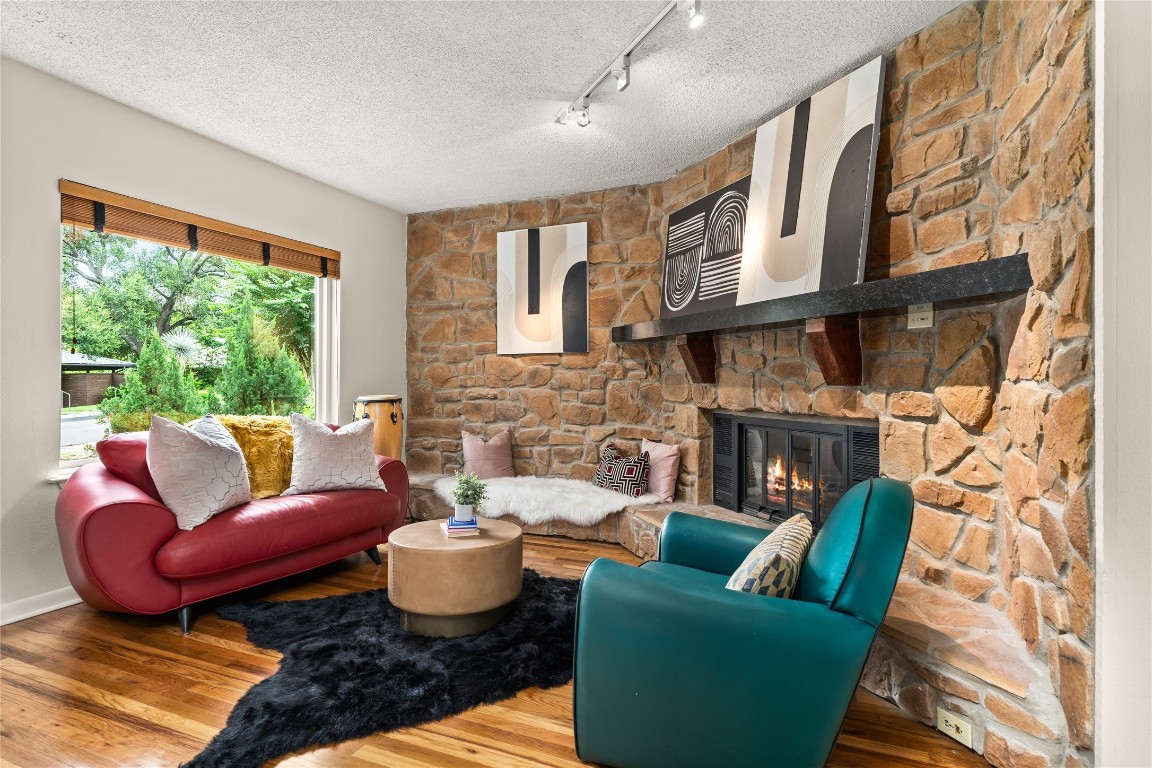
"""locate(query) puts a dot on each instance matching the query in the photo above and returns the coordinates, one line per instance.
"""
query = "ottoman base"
(452, 626)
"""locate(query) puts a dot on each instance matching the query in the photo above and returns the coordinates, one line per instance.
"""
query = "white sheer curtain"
(326, 352)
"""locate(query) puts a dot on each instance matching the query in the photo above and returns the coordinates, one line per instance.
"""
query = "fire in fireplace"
(773, 468)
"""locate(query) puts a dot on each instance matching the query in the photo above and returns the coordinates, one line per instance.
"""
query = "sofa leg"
(184, 614)
(374, 553)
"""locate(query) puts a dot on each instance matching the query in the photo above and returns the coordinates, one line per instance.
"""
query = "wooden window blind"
(104, 211)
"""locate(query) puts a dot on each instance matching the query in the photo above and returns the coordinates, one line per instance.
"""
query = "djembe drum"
(387, 415)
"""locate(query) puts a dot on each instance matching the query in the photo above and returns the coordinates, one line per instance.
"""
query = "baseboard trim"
(28, 607)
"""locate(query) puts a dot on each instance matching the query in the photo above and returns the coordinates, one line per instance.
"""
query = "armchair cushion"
(773, 566)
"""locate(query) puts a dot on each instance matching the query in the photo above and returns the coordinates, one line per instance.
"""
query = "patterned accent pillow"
(199, 471)
(624, 474)
(773, 566)
(323, 460)
(607, 456)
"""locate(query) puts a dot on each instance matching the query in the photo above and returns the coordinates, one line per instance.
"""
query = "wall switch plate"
(920, 316)
(959, 728)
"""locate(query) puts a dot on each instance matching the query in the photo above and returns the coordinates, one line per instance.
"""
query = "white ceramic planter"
(463, 513)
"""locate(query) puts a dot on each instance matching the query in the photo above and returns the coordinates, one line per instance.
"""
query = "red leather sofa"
(123, 551)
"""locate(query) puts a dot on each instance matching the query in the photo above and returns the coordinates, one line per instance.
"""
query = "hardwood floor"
(84, 688)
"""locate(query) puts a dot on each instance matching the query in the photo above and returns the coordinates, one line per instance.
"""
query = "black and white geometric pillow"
(607, 456)
(628, 475)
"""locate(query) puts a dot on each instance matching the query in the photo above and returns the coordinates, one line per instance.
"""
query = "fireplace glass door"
(833, 478)
(786, 472)
(774, 468)
(802, 471)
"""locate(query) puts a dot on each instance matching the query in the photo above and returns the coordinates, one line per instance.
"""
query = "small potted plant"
(468, 493)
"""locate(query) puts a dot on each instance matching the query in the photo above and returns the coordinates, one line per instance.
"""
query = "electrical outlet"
(959, 728)
(920, 316)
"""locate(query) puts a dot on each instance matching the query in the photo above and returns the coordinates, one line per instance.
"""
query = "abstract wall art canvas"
(704, 249)
(811, 191)
(542, 290)
(799, 223)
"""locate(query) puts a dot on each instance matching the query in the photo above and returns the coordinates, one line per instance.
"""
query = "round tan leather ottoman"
(453, 587)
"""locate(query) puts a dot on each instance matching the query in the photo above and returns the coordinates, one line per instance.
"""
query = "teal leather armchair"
(673, 670)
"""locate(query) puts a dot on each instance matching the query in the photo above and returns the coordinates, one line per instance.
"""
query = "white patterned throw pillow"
(773, 566)
(199, 470)
(323, 460)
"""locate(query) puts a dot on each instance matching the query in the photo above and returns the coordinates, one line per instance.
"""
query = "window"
(170, 313)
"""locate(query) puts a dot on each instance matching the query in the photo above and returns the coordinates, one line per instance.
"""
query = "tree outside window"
(207, 334)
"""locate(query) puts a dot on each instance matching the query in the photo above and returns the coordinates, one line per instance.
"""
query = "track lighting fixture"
(621, 67)
(695, 18)
(623, 76)
(582, 118)
(575, 113)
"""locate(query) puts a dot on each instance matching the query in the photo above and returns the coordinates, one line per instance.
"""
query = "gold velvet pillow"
(266, 442)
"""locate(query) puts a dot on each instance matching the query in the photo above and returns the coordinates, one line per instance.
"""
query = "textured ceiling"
(429, 105)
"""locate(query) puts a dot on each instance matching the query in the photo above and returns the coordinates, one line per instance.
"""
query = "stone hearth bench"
(636, 528)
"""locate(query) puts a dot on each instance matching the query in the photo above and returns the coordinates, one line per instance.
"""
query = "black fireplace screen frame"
(860, 458)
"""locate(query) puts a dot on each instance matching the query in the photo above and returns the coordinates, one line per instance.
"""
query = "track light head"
(623, 75)
(572, 112)
(582, 118)
(695, 17)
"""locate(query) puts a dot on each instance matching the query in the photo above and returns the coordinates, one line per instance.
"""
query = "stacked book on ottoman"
(453, 527)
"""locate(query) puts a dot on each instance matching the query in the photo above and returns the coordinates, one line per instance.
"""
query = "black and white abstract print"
(542, 290)
(799, 223)
(703, 256)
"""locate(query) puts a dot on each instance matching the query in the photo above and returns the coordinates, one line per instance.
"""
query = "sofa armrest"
(739, 678)
(395, 477)
(716, 546)
(110, 532)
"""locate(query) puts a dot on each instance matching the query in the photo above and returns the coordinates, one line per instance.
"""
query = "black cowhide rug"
(349, 670)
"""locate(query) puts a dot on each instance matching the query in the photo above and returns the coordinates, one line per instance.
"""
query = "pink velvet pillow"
(125, 456)
(488, 459)
(663, 469)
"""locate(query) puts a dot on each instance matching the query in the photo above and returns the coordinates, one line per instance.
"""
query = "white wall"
(1124, 382)
(50, 130)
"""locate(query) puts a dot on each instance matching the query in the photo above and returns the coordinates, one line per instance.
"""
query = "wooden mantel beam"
(835, 343)
(698, 351)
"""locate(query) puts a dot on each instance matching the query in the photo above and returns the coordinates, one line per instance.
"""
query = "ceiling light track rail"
(621, 67)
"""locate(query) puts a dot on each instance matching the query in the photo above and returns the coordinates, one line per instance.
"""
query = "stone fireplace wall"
(985, 150)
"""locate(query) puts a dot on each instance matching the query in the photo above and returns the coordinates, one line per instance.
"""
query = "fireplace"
(773, 468)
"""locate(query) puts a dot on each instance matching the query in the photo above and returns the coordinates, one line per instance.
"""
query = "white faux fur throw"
(538, 500)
